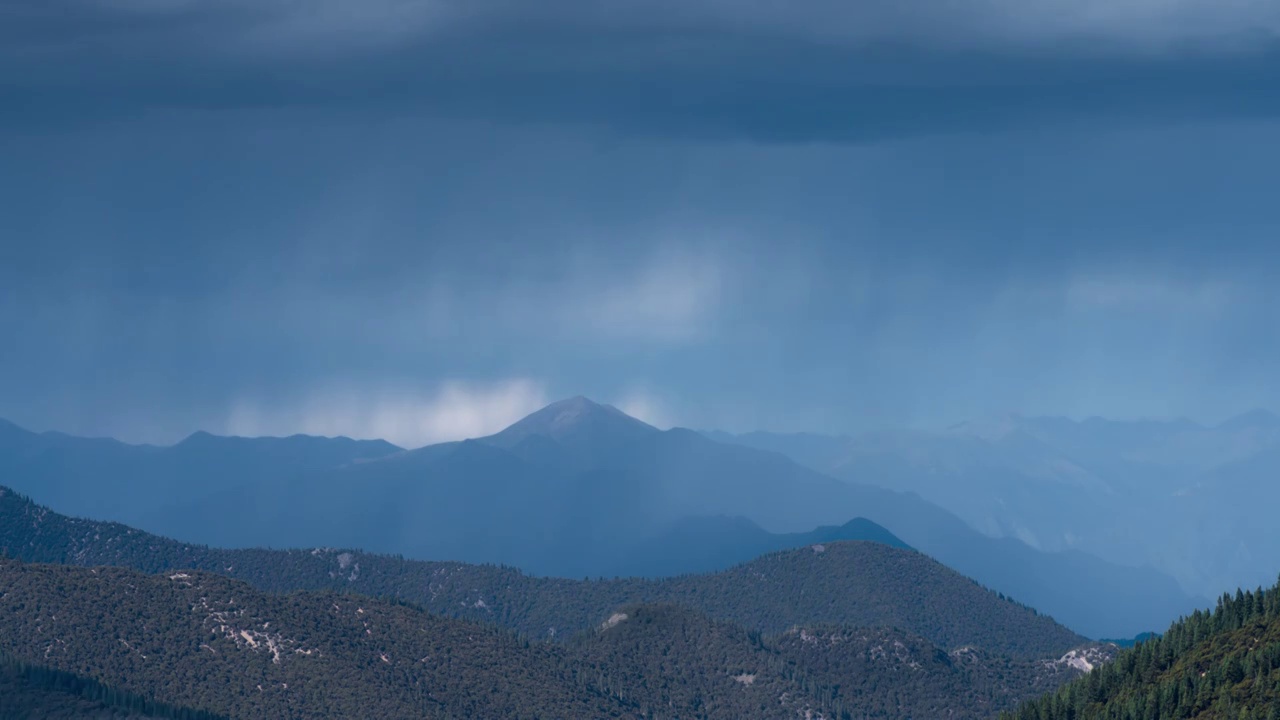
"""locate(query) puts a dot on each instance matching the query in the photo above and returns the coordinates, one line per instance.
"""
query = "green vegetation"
(31, 692)
(880, 673)
(856, 584)
(1219, 665)
(208, 642)
(204, 641)
(886, 673)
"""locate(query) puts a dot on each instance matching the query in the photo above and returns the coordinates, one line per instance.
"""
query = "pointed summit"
(198, 438)
(573, 420)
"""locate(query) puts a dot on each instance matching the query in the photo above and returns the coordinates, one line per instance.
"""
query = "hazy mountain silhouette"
(576, 489)
(148, 485)
(1256, 418)
(707, 544)
(1110, 488)
(577, 424)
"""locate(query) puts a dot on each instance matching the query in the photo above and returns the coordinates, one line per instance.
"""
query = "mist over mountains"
(583, 562)
(843, 629)
(576, 489)
(1163, 494)
(308, 310)
(854, 583)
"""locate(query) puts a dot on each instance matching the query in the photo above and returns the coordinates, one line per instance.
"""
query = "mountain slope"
(1222, 664)
(576, 426)
(879, 673)
(578, 490)
(1058, 484)
(146, 485)
(855, 583)
(207, 641)
(928, 682)
(37, 692)
(668, 649)
(213, 643)
(653, 478)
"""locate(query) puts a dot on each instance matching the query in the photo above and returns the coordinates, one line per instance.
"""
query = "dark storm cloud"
(421, 219)
(705, 69)
(292, 271)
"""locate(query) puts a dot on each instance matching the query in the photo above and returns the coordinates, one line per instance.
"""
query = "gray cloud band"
(822, 72)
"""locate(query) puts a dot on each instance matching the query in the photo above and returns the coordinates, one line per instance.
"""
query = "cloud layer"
(414, 219)
(405, 416)
(295, 26)
(709, 69)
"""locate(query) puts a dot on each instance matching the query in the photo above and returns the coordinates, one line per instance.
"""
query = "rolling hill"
(208, 642)
(860, 673)
(214, 644)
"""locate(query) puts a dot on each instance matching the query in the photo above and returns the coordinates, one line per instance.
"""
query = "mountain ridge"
(1060, 484)
(572, 507)
(209, 642)
(856, 583)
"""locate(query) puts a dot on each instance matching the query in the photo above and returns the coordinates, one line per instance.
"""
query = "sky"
(423, 219)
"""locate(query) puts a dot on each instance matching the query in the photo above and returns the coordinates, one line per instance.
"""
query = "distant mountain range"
(1190, 500)
(845, 621)
(576, 489)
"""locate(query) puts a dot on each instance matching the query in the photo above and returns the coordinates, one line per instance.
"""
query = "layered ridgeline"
(1223, 665)
(850, 583)
(576, 489)
(208, 642)
(1061, 484)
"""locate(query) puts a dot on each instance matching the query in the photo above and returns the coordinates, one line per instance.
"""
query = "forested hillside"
(861, 673)
(1219, 665)
(208, 642)
(215, 644)
(37, 692)
(859, 584)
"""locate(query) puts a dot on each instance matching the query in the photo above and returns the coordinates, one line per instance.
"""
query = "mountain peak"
(574, 417)
(198, 437)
